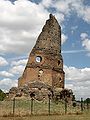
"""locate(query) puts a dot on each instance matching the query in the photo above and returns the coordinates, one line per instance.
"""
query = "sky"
(21, 22)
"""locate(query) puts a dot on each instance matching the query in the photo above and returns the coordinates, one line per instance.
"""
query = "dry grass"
(85, 116)
(23, 108)
(40, 109)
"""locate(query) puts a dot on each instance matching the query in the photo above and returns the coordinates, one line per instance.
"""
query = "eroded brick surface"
(45, 62)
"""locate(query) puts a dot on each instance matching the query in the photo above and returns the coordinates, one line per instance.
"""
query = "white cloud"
(46, 3)
(85, 41)
(17, 69)
(68, 6)
(83, 36)
(62, 6)
(80, 91)
(82, 10)
(7, 83)
(20, 24)
(73, 73)
(3, 62)
(63, 38)
(78, 80)
(86, 14)
(5, 74)
(20, 62)
(60, 17)
(86, 44)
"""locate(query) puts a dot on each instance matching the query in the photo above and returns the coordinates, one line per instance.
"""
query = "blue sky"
(21, 22)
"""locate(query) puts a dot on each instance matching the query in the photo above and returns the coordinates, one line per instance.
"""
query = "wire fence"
(25, 107)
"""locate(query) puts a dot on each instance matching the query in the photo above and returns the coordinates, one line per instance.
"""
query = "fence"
(18, 107)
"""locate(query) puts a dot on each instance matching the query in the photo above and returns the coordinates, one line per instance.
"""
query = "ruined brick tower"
(45, 62)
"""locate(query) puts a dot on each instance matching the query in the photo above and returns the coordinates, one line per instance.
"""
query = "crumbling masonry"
(45, 62)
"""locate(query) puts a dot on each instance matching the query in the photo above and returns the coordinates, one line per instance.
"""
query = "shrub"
(2, 95)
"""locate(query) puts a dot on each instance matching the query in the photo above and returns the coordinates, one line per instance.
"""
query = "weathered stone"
(45, 62)
(43, 74)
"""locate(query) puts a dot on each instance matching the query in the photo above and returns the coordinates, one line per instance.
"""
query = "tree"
(87, 100)
(2, 95)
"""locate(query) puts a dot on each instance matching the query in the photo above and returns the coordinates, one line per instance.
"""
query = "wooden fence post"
(32, 95)
(49, 97)
(81, 104)
(87, 102)
(65, 105)
(14, 107)
(31, 106)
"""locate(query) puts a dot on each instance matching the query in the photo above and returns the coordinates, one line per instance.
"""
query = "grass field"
(40, 111)
(84, 116)
(23, 108)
